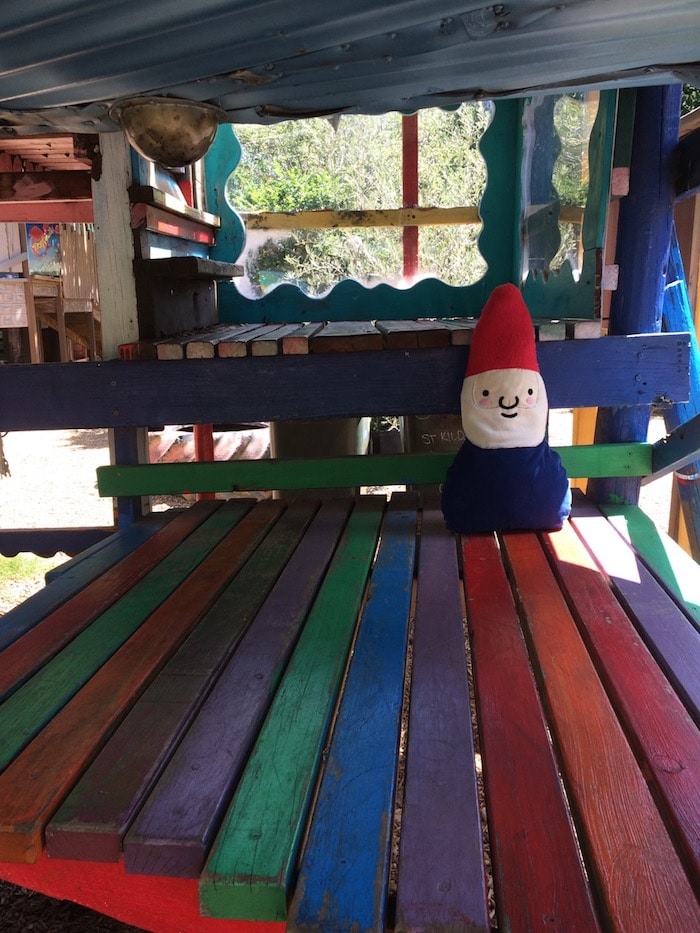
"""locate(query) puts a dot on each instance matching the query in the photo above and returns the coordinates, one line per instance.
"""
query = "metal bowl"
(168, 130)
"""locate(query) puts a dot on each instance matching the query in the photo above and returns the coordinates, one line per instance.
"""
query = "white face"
(504, 408)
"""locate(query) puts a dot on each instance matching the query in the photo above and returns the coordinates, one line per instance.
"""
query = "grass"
(22, 575)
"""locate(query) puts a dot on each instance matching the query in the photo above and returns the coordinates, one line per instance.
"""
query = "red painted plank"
(537, 869)
(92, 821)
(667, 737)
(441, 882)
(26, 655)
(635, 865)
(160, 905)
(35, 783)
(171, 836)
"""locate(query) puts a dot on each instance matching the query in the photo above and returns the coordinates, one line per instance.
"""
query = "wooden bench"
(331, 712)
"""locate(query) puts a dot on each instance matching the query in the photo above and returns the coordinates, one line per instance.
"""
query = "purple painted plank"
(96, 815)
(672, 638)
(441, 883)
(174, 830)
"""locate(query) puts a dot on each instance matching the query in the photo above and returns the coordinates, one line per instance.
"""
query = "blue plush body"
(506, 488)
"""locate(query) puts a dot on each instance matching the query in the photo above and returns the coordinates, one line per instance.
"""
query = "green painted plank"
(662, 554)
(31, 706)
(249, 869)
(387, 469)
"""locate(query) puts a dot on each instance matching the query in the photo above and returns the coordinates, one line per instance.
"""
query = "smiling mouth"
(512, 414)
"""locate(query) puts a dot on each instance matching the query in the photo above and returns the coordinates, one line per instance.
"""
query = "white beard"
(504, 408)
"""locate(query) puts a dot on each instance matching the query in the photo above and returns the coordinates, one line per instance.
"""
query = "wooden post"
(36, 350)
(409, 141)
(114, 246)
(644, 235)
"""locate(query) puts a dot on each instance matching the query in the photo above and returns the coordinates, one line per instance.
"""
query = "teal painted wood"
(441, 883)
(94, 818)
(73, 576)
(344, 870)
(559, 294)
(249, 871)
(170, 836)
(33, 704)
(221, 159)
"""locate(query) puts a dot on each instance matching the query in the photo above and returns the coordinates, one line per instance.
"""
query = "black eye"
(485, 393)
(530, 391)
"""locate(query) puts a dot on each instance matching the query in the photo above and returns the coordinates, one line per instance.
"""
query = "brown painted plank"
(667, 736)
(299, 340)
(441, 870)
(92, 821)
(35, 783)
(170, 837)
(203, 346)
(347, 337)
(239, 345)
(27, 654)
(461, 332)
(536, 866)
(628, 844)
(271, 345)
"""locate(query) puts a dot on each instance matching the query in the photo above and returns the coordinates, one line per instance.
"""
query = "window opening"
(330, 199)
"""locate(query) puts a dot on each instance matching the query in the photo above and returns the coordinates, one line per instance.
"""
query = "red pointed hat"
(504, 337)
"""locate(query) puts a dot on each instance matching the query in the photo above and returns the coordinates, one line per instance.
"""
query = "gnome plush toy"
(505, 476)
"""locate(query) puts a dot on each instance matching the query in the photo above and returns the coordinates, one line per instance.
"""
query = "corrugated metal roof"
(63, 62)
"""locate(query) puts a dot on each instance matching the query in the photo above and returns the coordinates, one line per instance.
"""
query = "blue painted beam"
(621, 371)
(644, 233)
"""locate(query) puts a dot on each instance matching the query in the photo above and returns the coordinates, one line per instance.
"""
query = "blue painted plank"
(629, 371)
(344, 870)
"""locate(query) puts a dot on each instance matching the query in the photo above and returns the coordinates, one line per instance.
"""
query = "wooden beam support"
(644, 235)
(23, 187)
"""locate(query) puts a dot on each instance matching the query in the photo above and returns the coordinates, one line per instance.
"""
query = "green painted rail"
(384, 470)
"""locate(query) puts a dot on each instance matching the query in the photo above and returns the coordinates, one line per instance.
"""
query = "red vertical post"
(204, 450)
(409, 140)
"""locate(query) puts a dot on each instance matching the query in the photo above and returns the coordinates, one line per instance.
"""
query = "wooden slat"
(39, 778)
(249, 870)
(204, 346)
(668, 561)
(70, 578)
(327, 219)
(170, 837)
(536, 866)
(342, 879)
(272, 345)
(356, 470)
(93, 820)
(49, 634)
(33, 704)
(673, 639)
(239, 345)
(665, 733)
(407, 335)
(441, 866)
(347, 337)
(299, 341)
(627, 841)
